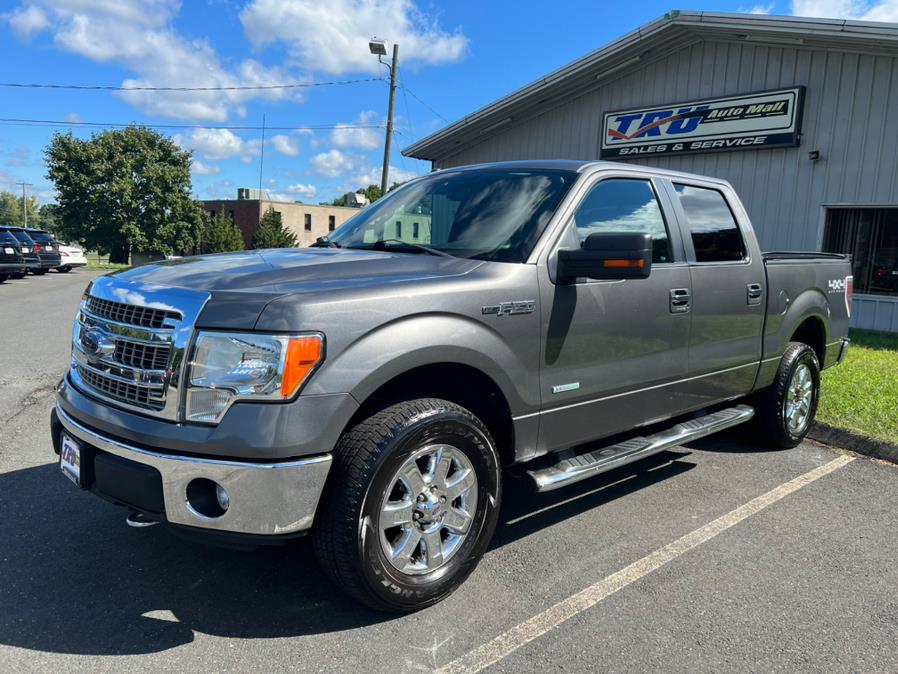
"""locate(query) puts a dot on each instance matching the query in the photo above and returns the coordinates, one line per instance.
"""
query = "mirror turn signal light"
(628, 264)
(303, 354)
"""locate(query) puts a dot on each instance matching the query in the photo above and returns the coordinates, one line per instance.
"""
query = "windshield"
(40, 237)
(489, 214)
(22, 237)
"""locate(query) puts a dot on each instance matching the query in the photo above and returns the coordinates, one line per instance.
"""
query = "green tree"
(372, 192)
(221, 234)
(11, 213)
(49, 215)
(271, 232)
(124, 190)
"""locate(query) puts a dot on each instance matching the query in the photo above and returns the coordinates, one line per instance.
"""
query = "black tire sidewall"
(402, 591)
(802, 355)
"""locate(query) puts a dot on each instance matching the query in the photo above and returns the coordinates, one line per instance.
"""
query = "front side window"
(487, 214)
(625, 205)
(715, 234)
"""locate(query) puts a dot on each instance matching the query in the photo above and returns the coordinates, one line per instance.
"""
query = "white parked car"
(71, 257)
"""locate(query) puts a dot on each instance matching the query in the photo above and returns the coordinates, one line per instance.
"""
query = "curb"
(837, 437)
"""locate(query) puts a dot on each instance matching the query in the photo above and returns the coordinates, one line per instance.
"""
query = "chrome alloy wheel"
(428, 509)
(799, 395)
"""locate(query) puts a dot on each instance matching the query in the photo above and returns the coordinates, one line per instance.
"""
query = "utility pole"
(385, 172)
(25, 187)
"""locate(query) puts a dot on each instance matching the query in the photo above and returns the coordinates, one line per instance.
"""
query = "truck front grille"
(140, 355)
(129, 393)
(132, 354)
(130, 314)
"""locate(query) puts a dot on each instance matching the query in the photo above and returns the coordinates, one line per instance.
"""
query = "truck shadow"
(76, 579)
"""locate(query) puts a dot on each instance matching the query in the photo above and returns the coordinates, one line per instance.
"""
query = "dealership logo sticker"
(749, 121)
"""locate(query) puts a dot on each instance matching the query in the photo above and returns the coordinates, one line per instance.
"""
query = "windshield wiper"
(324, 242)
(407, 244)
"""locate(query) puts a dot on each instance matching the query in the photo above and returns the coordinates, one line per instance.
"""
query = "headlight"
(230, 366)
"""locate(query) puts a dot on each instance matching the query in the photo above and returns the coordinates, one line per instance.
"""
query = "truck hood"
(241, 284)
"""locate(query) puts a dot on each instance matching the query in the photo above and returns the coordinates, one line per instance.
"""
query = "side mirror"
(611, 256)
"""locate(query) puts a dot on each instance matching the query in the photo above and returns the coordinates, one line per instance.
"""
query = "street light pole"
(25, 187)
(385, 172)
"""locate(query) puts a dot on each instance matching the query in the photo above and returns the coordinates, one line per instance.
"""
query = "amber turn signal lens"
(303, 354)
(629, 264)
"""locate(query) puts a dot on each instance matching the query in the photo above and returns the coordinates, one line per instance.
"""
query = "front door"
(613, 350)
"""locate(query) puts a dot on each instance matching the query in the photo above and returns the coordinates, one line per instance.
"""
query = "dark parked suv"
(11, 260)
(26, 246)
(47, 249)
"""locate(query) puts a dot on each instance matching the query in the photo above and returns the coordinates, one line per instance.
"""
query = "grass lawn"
(105, 265)
(861, 394)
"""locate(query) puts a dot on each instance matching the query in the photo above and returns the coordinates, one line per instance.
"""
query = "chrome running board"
(580, 467)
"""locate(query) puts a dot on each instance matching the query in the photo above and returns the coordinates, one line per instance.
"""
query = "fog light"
(221, 495)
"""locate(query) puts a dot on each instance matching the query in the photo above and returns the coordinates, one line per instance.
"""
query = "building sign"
(746, 122)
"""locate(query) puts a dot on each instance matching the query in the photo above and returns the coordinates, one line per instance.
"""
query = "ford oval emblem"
(96, 343)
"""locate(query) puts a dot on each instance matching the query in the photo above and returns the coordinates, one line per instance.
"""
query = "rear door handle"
(754, 293)
(680, 300)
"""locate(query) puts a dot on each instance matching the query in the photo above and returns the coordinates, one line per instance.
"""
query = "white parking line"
(522, 634)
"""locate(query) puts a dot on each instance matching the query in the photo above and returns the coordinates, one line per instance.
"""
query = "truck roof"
(580, 166)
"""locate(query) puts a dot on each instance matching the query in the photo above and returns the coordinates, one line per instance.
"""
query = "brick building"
(307, 221)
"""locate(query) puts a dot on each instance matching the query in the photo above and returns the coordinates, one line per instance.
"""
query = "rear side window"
(624, 205)
(715, 234)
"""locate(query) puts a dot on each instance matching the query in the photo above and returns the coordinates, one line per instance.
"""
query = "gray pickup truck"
(563, 318)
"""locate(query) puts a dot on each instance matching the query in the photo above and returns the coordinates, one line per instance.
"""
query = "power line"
(260, 87)
(17, 121)
(418, 98)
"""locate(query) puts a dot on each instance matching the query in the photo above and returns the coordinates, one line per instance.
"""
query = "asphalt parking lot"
(717, 556)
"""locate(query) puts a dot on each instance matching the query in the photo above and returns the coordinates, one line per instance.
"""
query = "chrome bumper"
(267, 499)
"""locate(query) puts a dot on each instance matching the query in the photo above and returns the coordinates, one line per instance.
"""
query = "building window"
(308, 222)
(399, 229)
(624, 205)
(331, 223)
(715, 234)
(416, 230)
(212, 214)
(870, 236)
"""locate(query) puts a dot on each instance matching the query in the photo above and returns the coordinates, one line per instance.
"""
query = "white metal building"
(798, 114)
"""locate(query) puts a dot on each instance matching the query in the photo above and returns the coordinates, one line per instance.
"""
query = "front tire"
(786, 409)
(410, 506)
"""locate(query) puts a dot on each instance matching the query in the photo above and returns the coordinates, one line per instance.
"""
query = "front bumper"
(269, 499)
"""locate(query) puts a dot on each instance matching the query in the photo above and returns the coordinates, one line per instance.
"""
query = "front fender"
(391, 349)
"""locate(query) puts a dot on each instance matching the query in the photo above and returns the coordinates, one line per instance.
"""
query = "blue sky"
(454, 58)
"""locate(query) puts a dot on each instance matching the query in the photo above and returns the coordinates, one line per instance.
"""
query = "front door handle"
(680, 300)
(754, 293)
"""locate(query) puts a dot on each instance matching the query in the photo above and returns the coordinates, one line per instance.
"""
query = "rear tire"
(39, 272)
(3, 278)
(18, 275)
(785, 410)
(429, 467)
(65, 270)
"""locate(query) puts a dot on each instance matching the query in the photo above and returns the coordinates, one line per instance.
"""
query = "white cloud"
(372, 176)
(139, 35)
(878, 10)
(286, 145)
(27, 20)
(201, 169)
(214, 144)
(300, 190)
(333, 36)
(344, 135)
(332, 163)
(73, 117)
(757, 9)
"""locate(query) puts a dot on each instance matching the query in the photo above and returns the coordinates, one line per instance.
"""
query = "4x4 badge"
(510, 308)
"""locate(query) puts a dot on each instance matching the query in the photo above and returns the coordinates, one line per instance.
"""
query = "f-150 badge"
(510, 308)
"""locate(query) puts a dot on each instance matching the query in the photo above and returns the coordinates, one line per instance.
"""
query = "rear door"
(728, 290)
